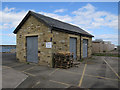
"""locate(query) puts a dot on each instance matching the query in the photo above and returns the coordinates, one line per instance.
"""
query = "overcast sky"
(99, 19)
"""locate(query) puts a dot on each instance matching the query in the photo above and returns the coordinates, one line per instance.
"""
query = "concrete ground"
(97, 72)
(12, 77)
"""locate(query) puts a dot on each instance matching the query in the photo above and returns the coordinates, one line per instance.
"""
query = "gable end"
(24, 20)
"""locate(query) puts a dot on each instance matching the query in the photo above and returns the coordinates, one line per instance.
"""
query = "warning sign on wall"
(48, 44)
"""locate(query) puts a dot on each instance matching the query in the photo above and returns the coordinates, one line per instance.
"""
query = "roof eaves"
(71, 32)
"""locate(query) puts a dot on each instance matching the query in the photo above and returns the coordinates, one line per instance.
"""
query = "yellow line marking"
(29, 73)
(12, 66)
(53, 71)
(101, 77)
(90, 75)
(28, 69)
(60, 82)
(111, 68)
(5, 67)
(80, 83)
(21, 71)
(35, 84)
(71, 72)
(16, 65)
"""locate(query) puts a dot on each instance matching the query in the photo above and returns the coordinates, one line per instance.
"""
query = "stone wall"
(33, 27)
(100, 47)
(61, 43)
(97, 47)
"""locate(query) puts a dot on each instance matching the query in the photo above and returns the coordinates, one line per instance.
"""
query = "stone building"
(107, 46)
(39, 36)
(97, 47)
(102, 46)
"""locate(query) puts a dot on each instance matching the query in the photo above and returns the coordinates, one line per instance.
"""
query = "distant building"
(100, 46)
(98, 40)
(7, 48)
(97, 46)
(107, 46)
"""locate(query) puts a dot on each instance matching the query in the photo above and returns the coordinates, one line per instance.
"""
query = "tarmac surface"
(12, 77)
(97, 72)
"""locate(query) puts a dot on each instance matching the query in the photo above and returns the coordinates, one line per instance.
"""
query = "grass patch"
(106, 54)
(28, 63)
(81, 60)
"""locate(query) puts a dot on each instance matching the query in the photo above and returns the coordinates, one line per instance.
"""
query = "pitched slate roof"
(53, 23)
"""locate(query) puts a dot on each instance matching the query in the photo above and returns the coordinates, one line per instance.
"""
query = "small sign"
(48, 44)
